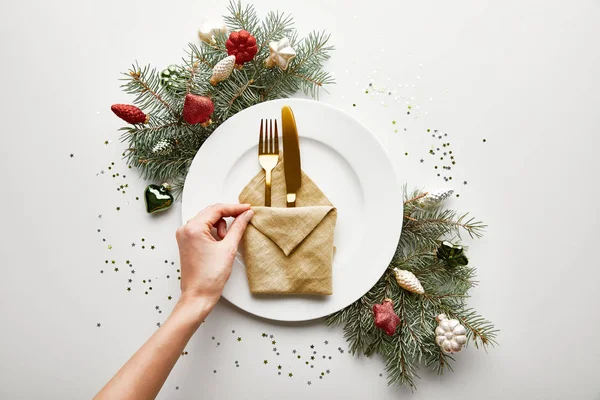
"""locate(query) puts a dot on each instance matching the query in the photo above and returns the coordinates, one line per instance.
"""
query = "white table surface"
(522, 75)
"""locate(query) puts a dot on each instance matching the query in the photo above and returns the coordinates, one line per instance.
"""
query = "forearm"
(145, 373)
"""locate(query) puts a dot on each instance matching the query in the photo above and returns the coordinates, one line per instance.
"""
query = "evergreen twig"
(446, 291)
(244, 88)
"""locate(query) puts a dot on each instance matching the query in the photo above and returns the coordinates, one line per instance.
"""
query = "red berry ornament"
(197, 109)
(129, 113)
(385, 317)
(242, 45)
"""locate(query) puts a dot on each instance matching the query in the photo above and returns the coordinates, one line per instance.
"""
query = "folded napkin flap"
(290, 250)
(288, 227)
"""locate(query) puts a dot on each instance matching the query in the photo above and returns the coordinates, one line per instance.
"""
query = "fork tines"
(268, 140)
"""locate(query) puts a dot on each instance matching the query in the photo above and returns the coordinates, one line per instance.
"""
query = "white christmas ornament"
(222, 70)
(450, 335)
(280, 54)
(208, 29)
(407, 280)
(436, 197)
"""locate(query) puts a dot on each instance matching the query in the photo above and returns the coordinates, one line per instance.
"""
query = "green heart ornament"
(453, 255)
(158, 197)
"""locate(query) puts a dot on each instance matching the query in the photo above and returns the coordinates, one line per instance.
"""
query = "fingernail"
(248, 215)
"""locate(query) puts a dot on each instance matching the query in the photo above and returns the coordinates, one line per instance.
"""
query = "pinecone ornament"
(164, 147)
(242, 45)
(130, 114)
(197, 109)
(436, 197)
(408, 281)
(450, 335)
(222, 70)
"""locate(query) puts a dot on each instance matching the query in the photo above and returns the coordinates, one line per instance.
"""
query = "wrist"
(195, 307)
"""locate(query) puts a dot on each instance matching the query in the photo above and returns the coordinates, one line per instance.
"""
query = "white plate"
(349, 165)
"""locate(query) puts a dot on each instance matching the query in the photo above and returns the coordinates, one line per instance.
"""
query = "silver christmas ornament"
(408, 281)
(209, 28)
(280, 54)
(436, 197)
(450, 335)
(222, 70)
(164, 147)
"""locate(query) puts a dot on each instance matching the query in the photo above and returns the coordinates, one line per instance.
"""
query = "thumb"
(237, 228)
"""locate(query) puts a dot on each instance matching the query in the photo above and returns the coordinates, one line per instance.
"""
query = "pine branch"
(276, 26)
(240, 92)
(198, 55)
(240, 17)
(416, 197)
(244, 88)
(474, 228)
(193, 69)
(446, 291)
(145, 83)
(311, 54)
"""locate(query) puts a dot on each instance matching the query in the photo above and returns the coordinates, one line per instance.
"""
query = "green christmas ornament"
(172, 78)
(158, 197)
(453, 255)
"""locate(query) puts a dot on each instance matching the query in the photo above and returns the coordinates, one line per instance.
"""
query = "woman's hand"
(205, 267)
(205, 261)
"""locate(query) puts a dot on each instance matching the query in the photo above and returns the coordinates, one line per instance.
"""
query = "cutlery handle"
(291, 199)
(268, 188)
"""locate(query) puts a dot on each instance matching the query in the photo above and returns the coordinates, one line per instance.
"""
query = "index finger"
(213, 213)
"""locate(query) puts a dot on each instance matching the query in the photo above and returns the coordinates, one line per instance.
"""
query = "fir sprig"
(446, 291)
(253, 84)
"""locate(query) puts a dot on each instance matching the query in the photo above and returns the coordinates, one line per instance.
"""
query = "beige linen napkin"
(288, 250)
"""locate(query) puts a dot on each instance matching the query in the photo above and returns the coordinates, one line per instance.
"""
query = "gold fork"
(268, 154)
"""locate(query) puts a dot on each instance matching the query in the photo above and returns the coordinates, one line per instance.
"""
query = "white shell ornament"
(222, 70)
(208, 29)
(450, 335)
(280, 54)
(436, 197)
(408, 281)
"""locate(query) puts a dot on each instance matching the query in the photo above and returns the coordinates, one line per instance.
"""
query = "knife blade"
(291, 155)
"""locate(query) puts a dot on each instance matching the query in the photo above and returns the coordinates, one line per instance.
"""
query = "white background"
(521, 74)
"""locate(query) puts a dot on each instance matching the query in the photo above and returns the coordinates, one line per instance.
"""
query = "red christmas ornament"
(242, 45)
(129, 113)
(385, 317)
(197, 109)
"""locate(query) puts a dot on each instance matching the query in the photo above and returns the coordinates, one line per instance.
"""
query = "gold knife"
(291, 155)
